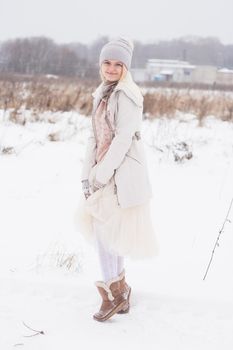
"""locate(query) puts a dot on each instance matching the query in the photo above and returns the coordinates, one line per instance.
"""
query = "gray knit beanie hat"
(120, 49)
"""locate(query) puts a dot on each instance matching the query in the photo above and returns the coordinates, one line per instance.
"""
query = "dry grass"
(57, 256)
(40, 94)
(164, 103)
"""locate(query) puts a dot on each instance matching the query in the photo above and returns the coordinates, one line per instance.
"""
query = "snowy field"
(47, 270)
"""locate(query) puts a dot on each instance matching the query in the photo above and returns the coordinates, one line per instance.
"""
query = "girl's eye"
(117, 64)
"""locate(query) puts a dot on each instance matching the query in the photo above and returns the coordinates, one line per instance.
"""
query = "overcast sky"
(146, 20)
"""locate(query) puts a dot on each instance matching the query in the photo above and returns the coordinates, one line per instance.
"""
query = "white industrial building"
(225, 76)
(204, 74)
(169, 70)
(181, 72)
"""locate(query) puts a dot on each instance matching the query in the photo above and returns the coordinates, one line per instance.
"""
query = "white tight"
(111, 264)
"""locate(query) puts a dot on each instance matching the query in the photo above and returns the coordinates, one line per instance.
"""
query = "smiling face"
(112, 70)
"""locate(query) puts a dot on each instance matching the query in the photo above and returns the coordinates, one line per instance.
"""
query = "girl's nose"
(111, 68)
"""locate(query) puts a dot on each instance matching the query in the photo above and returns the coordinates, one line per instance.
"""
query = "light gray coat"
(125, 159)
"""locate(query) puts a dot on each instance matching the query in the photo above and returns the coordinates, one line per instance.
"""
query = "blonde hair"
(123, 74)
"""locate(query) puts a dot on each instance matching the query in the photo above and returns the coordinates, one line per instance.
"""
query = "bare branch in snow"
(35, 331)
(217, 240)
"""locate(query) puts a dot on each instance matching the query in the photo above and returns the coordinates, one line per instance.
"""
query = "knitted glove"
(86, 188)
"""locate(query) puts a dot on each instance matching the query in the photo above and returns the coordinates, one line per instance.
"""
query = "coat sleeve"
(89, 158)
(128, 121)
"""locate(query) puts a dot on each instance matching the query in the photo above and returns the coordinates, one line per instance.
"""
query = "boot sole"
(125, 311)
(113, 312)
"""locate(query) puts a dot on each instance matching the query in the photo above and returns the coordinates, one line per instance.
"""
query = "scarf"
(107, 89)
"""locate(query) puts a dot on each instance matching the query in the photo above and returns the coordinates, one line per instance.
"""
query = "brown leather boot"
(113, 298)
(126, 291)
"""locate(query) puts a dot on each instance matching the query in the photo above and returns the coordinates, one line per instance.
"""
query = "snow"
(225, 70)
(47, 270)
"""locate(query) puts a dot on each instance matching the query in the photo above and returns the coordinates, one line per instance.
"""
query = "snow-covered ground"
(47, 270)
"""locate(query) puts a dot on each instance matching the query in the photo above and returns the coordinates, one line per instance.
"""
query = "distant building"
(169, 70)
(204, 74)
(224, 76)
(139, 74)
(181, 72)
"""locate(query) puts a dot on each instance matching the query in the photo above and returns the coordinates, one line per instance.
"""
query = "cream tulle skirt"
(125, 231)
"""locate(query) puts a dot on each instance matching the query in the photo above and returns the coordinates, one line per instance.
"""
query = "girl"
(115, 209)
